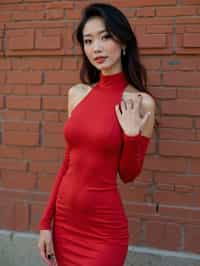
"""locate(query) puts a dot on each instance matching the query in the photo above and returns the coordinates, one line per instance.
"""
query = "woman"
(107, 133)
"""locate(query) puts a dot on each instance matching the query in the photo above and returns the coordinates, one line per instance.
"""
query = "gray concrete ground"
(20, 249)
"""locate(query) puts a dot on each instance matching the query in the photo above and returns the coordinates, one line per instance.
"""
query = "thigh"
(111, 255)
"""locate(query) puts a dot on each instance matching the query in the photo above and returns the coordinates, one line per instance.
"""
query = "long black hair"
(118, 26)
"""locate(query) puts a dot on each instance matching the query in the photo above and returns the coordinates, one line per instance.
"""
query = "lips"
(100, 59)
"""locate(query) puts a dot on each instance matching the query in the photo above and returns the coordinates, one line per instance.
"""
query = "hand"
(130, 118)
(45, 245)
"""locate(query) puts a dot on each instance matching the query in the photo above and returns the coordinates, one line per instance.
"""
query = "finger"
(123, 106)
(42, 254)
(129, 104)
(41, 247)
(145, 118)
(117, 110)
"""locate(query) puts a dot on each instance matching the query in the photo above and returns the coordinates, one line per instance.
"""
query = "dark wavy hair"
(118, 26)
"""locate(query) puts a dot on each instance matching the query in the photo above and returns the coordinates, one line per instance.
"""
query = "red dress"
(90, 227)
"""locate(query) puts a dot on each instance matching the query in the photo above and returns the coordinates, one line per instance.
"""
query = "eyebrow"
(84, 35)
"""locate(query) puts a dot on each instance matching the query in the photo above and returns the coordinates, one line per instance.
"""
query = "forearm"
(132, 156)
(45, 221)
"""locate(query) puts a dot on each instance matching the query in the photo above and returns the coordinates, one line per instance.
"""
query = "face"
(99, 43)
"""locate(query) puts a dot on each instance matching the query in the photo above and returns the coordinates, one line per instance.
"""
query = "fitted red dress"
(89, 225)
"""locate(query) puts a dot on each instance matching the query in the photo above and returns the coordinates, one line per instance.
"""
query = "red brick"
(13, 115)
(55, 14)
(152, 41)
(159, 28)
(70, 63)
(20, 39)
(1, 102)
(45, 183)
(191, 40)
(61, 77)
(191, 239)
(192, 28)
(175, 148)
(30, 15)
(11, 152)
(145, 12)
(7, 214)
(166, 164)
(44, 167)
(135, 229)
(24, 77)
(51, 116)
(55, 103)
(188, 93)
(177, 179)
(163, 235)
(130, 3)
(21, 138)
(18, 180)
(177, 134)
(154, 78)
(73, 14)
(36, 211)
(177, 107)
(190, 2)
(175, 11)
(34, 116)
(47, 39)
(180, 63)
(151, 63)
(42, 154)
(54, 141)
(179, 78)
(53, 127)
(5, 64)
(140, 209)
(2, 77)
(176, 122)
(134, 194)
(163, 93)
(23, 102)
(36, 63)
(12, 164)
(195, 166)
(174, 198)
(21, 216)
(179, 214)
(21, 126)
(43, 90)
(61, 5)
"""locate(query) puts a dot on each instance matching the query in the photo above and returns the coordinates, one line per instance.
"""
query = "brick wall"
(39, 62)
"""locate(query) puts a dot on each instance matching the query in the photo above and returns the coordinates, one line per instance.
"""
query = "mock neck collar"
(117, 80)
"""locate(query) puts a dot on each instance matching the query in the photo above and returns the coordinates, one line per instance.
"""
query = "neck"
(117, 80)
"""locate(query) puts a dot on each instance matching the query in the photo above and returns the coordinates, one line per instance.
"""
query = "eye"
(87, 41)
(107, 36)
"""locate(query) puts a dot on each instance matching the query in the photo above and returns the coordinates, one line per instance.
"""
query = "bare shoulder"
(75, 94)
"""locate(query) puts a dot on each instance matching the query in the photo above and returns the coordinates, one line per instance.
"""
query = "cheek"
(113, 50)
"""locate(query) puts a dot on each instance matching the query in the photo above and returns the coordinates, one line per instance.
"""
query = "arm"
(45, 221)
(132, 156)
(134, 147)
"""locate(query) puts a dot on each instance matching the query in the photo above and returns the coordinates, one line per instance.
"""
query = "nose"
(96, 46)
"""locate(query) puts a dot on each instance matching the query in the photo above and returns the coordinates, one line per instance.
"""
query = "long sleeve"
(45, 221)
(132, 156)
